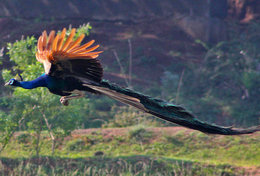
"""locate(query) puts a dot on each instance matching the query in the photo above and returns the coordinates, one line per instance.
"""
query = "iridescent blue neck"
(38, 82)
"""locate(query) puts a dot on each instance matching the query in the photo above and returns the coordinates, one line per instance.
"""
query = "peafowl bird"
(72, 69)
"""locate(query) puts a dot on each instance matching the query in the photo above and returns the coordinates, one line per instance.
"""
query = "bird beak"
(6, 84)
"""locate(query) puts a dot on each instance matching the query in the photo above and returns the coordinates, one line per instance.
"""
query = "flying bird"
(71, 69)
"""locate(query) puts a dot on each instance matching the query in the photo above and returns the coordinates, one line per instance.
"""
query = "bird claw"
(64, 101)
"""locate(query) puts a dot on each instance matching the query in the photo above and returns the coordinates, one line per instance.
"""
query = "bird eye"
(11, 82)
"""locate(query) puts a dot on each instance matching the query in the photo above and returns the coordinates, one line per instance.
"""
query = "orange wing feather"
(50, 40)
(60, 42)
(51, 49)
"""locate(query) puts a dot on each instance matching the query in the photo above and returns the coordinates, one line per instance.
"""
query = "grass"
(134, 165)
(215, 152)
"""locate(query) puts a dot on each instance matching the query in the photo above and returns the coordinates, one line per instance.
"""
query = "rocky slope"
(160, 32)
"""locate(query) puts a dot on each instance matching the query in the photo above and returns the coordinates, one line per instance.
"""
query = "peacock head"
(12, 82)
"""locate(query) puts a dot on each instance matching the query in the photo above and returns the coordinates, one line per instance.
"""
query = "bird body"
(71, 69)
(62, 87)
(53, 84)
(58, 86)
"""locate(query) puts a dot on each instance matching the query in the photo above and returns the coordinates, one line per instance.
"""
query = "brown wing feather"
(69, 39)
(55, 42)
(83, 47)
(40, 45)
(62, 36)
(76, 43)
(53, 50)
(50, 40)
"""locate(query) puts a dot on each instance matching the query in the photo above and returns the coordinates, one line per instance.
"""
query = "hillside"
(168, 43)
(161, 32)
(203, 56)
(232, 155)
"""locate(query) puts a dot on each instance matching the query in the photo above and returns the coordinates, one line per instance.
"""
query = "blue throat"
(38, 82)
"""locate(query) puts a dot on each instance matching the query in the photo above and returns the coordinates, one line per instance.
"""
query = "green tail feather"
(164, 110)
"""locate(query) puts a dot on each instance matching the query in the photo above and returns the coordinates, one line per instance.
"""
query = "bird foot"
(64, 101)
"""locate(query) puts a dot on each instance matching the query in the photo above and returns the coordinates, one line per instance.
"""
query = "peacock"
(71, 69)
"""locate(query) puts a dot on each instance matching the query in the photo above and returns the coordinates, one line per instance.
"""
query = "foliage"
(230, 70)
(98, 111)
(139, 134)
(224, 87)
(36, 106)
(169, 83)
(124, 116)
(23, 138)
(160, 142)
(76, 145)
(133, 165)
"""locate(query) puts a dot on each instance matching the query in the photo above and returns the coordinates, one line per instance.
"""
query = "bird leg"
(65, 99)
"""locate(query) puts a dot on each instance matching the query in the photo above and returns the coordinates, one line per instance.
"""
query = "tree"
(225, 85)
(37, 109)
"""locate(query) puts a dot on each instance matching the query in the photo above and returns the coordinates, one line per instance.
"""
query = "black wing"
(90, 69)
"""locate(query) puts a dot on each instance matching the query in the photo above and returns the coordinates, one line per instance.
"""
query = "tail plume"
(163, 110)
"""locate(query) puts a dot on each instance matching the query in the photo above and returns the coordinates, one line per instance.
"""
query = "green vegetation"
(38, 110)
(134, 165)
(179, 152)
(224, 85)
(124, 116)
(139, 135)
(192, 146)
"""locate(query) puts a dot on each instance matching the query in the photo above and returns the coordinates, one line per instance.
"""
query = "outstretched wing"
(66, 57)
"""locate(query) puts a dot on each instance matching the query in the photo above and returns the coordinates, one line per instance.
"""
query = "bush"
(76, 145)
(125, 116)
(37, 105)
(23, 138)
(139, 134)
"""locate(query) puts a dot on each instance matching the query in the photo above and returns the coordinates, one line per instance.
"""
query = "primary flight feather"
(72, 69)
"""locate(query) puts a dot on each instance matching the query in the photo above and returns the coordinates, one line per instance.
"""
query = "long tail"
(164, 110)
